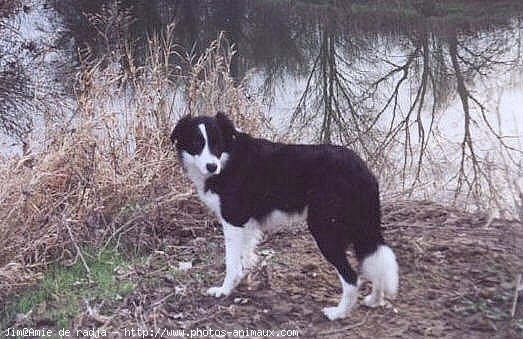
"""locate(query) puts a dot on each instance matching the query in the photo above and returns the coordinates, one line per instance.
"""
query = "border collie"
(252, 184)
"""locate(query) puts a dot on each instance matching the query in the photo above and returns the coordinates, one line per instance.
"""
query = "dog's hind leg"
(234, 243)
(333, 249)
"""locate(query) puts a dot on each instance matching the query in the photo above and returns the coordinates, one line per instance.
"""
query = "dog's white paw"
(218, 291)
(334, 312)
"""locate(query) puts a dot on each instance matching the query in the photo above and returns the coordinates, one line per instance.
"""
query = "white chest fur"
(211, 200)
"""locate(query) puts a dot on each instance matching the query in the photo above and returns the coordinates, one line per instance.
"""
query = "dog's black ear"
(177, 131)
(226, 125)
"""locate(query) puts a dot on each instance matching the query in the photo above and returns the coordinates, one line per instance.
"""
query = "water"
(430, 95)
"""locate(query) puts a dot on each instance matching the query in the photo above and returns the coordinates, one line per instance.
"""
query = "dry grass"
(108, 174)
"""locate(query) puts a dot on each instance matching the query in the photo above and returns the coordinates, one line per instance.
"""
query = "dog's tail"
(381, 268)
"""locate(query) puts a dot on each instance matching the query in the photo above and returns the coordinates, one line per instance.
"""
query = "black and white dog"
(252, 184)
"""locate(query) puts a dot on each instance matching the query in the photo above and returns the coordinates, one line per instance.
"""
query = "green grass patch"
(62, 291)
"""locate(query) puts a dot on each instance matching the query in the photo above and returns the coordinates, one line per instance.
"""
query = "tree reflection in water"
(409, 85)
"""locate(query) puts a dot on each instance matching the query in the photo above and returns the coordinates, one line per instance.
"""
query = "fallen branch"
(161, 301)
(78, 251)
(516, 293)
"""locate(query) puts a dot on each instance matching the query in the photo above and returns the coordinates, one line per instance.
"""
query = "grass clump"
(64, 290)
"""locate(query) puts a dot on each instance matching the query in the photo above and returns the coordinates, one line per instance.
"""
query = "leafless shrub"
(15, 99)
(111, 25)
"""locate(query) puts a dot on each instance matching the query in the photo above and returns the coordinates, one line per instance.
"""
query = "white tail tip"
(381, 268)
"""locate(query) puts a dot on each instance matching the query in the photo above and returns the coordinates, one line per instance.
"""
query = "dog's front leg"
(234, 237)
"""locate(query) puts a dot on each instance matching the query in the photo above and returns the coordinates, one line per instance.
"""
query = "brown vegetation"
(109, 175)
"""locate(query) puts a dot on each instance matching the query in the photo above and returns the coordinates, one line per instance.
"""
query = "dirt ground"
(457, 278)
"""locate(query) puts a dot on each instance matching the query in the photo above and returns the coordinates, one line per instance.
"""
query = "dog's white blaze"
(381, 269)
(348, 299)
(206, 157)
(196, 167)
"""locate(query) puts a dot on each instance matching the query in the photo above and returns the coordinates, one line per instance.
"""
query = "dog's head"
(204, 143)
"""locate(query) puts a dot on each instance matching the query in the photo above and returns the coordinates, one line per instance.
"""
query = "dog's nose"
(211, 167)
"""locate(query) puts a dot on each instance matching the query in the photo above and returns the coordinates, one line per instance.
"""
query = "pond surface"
(431, 92)
(346, 64)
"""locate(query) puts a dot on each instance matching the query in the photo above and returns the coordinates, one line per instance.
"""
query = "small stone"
(241, 301)
(184, 265)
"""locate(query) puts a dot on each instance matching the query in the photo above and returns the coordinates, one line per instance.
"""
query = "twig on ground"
(78, 251)
(516, 292)
(161, 301)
